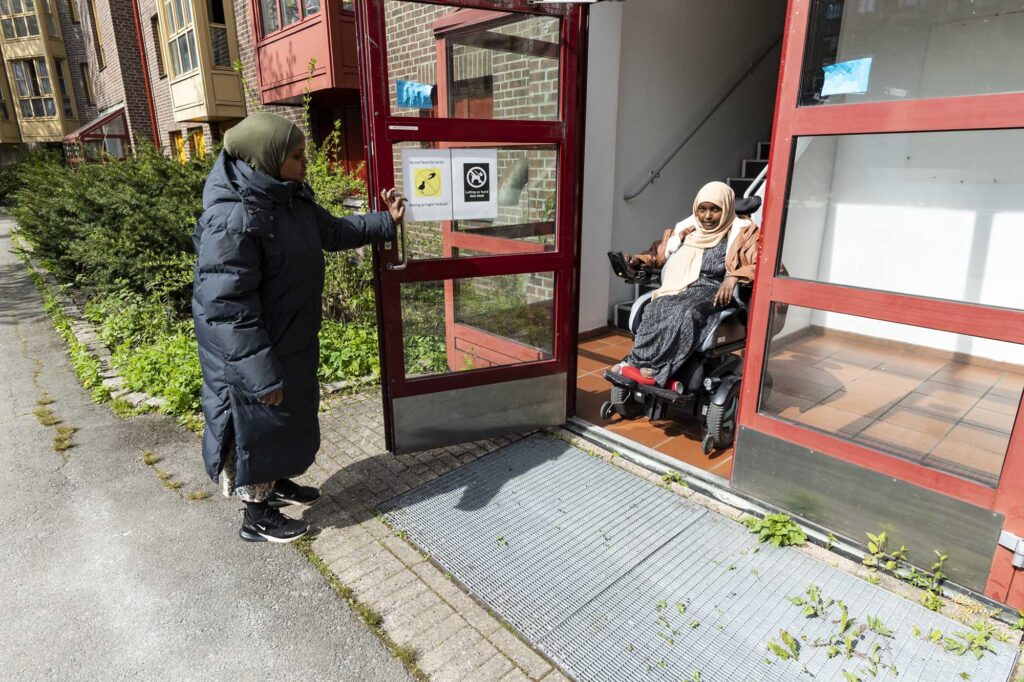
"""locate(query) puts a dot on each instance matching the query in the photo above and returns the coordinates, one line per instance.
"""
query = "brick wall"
(247, 55)
(75, 47)
(121, 81)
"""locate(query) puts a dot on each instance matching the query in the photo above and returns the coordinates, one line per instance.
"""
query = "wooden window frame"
(9, 18)
(35, 83)
(64, 88)
(97, 38)
(86, 71)
(173, 32)
(281, 26)
(158, 45)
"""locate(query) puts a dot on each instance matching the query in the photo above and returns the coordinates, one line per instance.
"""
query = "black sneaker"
(270, 525)
(288, 492)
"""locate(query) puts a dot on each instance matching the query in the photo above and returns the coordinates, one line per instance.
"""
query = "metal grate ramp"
(617, 579)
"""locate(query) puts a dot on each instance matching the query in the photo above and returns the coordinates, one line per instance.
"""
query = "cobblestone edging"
(87, 335)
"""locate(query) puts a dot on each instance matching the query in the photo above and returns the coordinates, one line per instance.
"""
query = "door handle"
(404, 262)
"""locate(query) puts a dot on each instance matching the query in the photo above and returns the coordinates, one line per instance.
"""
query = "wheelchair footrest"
(657, 391)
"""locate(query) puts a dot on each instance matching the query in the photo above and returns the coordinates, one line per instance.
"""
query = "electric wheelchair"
(707, 386)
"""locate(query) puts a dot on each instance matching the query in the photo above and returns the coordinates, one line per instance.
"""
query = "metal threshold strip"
(614, 578)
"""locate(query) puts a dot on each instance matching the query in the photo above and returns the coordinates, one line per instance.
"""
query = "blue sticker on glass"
(847, 78)
(414, 95)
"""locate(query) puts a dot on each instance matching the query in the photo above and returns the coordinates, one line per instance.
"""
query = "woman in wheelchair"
(703, 259)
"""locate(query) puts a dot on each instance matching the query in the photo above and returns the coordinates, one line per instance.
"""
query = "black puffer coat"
(259, 279)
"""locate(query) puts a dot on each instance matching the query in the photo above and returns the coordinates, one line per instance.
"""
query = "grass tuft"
(172, 485)
(149, 459)
(197, 495)
(62, 439)
(46, 416)
(45, 399)
(124, 409)
(164, 475)
(406, 654)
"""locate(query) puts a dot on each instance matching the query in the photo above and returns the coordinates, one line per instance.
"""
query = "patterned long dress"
(671, 326)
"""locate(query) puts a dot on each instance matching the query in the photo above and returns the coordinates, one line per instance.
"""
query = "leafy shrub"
(113, 226)
(168, 367)
(129, 318)
(778, 529)
(348, 281)
(348, 352)
(9, 183)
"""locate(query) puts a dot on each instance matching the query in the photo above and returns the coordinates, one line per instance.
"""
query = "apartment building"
(106, 75)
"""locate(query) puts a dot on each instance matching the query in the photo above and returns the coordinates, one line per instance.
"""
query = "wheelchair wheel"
(721, 422)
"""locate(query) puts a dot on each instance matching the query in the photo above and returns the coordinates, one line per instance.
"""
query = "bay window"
(181, 37)
(34, 88)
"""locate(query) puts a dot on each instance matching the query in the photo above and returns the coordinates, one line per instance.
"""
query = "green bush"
(348, 281)
(9, 182)
(115, 226)
(168, 367)
(129, 318)
(348, 352)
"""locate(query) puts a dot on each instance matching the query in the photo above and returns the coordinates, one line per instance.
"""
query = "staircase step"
(752, 167)
(739, 185)
(763, 149)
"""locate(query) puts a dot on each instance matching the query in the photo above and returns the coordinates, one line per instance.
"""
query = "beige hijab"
(683, 267)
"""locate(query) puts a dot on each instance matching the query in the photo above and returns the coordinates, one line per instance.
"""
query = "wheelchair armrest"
(643, 274)
(741, 294)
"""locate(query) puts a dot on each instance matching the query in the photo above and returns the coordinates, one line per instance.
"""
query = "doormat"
(616, 579)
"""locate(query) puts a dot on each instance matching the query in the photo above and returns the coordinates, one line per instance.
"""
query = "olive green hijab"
(263, 140)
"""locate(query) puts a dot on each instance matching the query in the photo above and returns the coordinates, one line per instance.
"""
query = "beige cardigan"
(740, 260)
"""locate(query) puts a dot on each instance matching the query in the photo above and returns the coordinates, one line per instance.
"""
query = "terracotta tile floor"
(945, 414)
(680, 440)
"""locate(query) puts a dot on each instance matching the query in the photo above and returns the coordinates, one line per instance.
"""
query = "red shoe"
(635, 374)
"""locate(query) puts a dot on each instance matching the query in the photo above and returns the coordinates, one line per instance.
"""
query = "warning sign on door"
(427, 182)
(474, 184)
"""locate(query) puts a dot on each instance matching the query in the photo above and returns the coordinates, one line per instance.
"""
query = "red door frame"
(950, 113)
(383, 130)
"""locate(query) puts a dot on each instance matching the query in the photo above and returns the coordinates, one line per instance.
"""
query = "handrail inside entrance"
(656, 173)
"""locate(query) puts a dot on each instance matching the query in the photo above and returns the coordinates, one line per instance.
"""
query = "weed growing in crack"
(674, 477)
(930, 582)
(164, 475)
(407, 654)
(46, 416)
(149, 458)
(369, 615)
(172, 485)
(778, 529)
(45, 399)
(62, 439)
(197, 495)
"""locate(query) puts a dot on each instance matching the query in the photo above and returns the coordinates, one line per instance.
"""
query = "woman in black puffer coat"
(256, 304)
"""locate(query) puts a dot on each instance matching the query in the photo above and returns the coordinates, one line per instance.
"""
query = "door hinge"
(1014, 543)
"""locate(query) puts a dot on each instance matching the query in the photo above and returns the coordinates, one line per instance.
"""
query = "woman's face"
(709, 215)
(294, 167)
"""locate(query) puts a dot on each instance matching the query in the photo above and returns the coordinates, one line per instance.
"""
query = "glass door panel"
(451, 62)
(885, 356)
(889, 50)
(476, 294)
(522, 216)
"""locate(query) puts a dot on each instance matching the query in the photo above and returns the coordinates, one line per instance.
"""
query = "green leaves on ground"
(778, 529)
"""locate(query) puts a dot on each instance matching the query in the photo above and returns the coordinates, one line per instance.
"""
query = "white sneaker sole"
(282, 541)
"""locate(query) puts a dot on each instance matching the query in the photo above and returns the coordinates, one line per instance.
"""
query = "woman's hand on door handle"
(395, 203)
